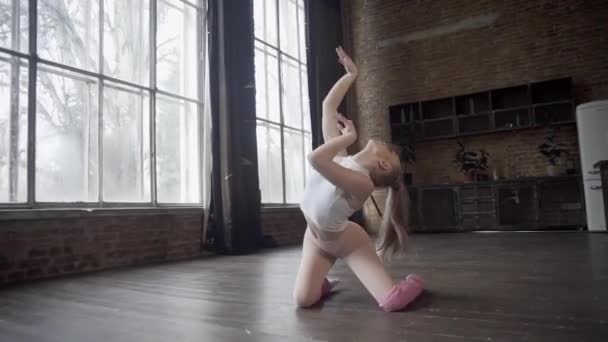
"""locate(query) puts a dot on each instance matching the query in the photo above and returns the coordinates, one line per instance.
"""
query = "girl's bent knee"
(304, 299)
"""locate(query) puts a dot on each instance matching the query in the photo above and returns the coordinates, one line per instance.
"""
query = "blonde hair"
(395, 219)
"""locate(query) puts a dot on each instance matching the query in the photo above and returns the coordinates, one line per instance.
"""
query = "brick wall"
(528, 41)
(38, 248)
(372, 217)
(52, 245)
(512, 154)
(283, 226)
(286, 226)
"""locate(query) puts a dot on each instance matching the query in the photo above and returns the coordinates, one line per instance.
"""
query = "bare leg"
(359, 253)
(314, 266)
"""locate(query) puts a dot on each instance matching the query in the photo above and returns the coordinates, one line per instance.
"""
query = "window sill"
(41, 214)
(279, 207)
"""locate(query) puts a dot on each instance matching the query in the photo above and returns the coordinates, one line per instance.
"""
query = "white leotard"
(324, 205)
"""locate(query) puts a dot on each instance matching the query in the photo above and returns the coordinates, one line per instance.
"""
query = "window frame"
(34, 62)
(302, 65)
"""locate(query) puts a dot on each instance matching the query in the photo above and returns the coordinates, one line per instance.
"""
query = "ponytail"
(395, 221)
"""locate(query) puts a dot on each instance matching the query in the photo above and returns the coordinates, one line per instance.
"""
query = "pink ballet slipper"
(327, 287)
(402, 294)
(415, 278)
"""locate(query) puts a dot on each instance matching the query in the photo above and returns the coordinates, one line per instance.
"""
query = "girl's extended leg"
(314, 266)
(360, 255)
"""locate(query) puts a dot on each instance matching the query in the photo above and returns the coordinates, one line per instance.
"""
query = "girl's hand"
(347, 128)
(345, 60)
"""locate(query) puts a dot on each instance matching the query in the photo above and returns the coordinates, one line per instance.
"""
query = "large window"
(282, 105)
(101, 102)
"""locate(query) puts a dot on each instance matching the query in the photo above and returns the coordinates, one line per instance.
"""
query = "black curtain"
(324, 34)
(234, 225)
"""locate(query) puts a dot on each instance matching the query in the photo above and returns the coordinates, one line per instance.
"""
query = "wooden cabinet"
(560, 202)
(438, 209)
(517, 205)
(532, 203)
(518, 107)
(477, 207)
(414, 207)
(434, 209)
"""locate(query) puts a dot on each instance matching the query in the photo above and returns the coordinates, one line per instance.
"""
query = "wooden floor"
(482, 287)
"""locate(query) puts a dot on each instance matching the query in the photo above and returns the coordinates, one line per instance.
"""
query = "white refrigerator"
(592, 127)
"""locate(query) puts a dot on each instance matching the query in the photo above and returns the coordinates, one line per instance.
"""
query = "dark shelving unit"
(524, 106)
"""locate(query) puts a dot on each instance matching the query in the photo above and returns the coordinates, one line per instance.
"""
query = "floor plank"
(481, 287)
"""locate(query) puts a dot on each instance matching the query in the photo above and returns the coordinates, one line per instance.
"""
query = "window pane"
(265, 20)
(267, 84)
(126, 40)
(66, 137)
(269, 162)
(9, 38)
(13, 129)
(301, 30)
(126, 145)
(177, 67)
(68, 32)
(177, 151)
(292, 96)
(305, 100)
(294, 165)
(288, 26)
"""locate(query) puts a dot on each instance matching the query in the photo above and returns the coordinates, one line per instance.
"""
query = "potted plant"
(552, 151)
(470, 162)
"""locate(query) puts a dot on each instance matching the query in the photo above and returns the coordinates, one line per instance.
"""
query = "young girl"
(338, 186)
